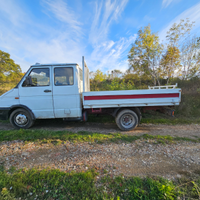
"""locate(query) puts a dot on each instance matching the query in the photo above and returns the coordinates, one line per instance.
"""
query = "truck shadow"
(109, 127)
(181, 130)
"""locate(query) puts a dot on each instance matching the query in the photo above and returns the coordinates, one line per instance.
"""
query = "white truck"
(63, 91)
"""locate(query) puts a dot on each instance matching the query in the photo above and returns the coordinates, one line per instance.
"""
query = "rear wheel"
(20, 118)
(127, 120)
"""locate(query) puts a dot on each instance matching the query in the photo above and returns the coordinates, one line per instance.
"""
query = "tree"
(178, 32)
(145, 54)
(180, 46)
(170, 62)
(10, 73)
(116, 73)
(99, 76)
(191, 57)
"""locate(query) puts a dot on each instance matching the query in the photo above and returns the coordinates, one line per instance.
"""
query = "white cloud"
(166, 3)
(105, 14)
(42, 43)
(64, 13)
(26, 48)
(112, 55)
(108, 54)
(148, 18)
(192, 13)
(8, 11)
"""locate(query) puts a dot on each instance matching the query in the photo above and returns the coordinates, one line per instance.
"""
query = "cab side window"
(37, 77)
(63, 76)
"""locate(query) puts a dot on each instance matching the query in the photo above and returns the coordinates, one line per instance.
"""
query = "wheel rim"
(21, 119)
(127, 121)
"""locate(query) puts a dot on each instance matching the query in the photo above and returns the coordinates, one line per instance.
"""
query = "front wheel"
(126, 120)
(20, 118)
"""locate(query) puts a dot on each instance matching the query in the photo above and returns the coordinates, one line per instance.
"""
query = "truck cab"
(46, 91)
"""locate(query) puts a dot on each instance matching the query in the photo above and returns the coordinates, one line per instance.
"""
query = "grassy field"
(150, 117)
(54, 184)
(44, 136)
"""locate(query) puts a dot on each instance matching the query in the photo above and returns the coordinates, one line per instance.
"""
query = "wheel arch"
(14, 107)
(135, 109)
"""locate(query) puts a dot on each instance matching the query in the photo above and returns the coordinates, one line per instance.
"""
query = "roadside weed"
(56, 184)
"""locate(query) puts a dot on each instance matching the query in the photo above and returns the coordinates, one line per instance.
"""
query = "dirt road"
(192, 130)
(140, 158)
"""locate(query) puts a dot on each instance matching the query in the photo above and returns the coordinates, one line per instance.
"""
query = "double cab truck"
(50, 91)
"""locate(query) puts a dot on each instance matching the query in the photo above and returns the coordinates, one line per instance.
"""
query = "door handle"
(47, 90)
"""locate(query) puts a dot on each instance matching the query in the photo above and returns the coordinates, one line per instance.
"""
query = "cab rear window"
(63, 76)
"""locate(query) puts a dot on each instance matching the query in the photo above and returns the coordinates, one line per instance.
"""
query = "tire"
(20, 118)
(127, 120)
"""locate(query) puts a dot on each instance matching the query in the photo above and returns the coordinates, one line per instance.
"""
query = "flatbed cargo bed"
(131, 98)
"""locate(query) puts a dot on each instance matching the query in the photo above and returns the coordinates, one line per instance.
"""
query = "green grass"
(147, 119)
(172, 121)
(4, 121)
(54, 184)
(101, 118)
(57, 137)
(151, 117)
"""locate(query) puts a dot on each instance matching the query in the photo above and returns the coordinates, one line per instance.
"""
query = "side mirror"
(27, 81)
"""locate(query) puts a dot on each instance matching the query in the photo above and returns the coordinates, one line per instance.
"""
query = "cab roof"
(53, 64)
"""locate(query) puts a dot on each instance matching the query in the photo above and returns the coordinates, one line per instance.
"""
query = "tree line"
(152, 62)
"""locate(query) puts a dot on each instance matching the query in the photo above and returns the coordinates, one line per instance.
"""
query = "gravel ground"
(140, 158)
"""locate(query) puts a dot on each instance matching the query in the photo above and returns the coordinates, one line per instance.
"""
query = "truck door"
(66, 97)
(37, 95)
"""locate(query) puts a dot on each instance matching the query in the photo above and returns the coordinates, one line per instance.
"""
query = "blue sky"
(61, 31)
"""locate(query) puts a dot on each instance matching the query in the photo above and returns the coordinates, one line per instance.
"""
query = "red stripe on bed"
(133, 96)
